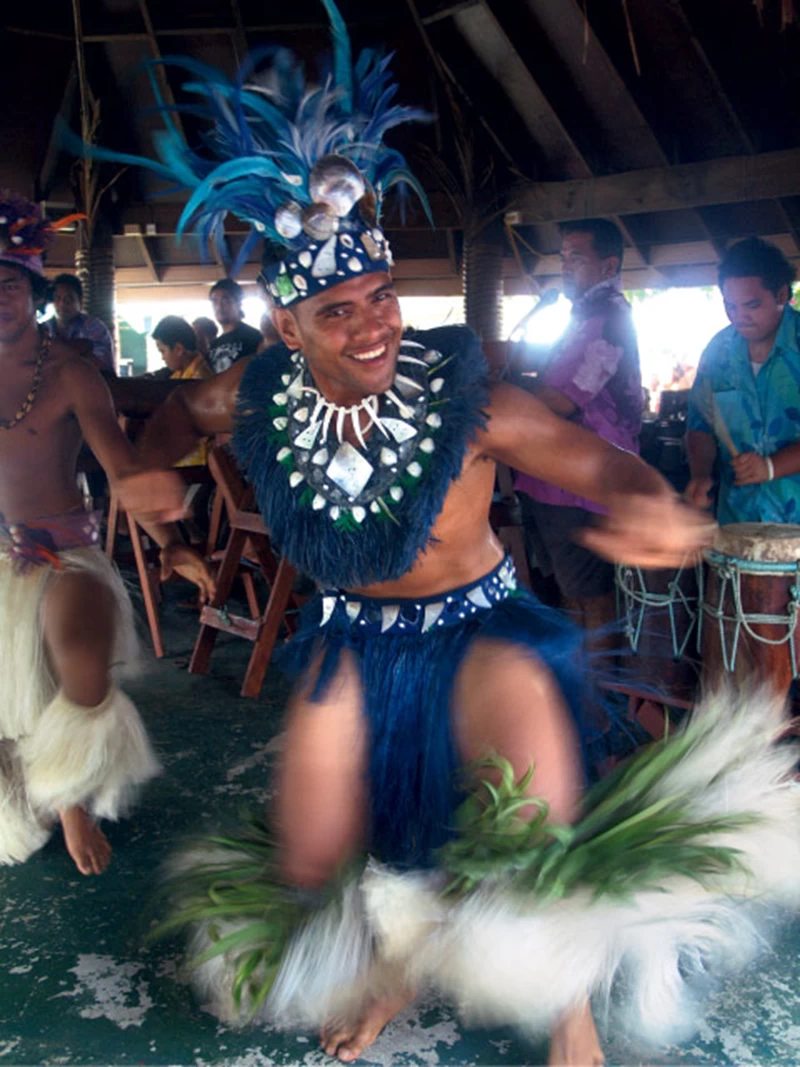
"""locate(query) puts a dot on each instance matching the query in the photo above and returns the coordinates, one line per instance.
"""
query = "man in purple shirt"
(71, 324)
(591, 377)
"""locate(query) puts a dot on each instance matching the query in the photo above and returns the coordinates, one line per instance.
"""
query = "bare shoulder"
(220, 390)
(506, 399)
(73, 374)
(230, 379)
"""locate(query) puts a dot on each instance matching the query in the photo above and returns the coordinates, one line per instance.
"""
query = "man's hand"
(156, 496)
(698, 493)
(749, 469)
(650, 531)
(189, 564)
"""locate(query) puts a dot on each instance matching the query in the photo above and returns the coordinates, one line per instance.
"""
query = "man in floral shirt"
(70, 323)
(591, 377)
(744, 408)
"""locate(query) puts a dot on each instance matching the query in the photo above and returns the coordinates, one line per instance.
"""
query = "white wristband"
(770, 468)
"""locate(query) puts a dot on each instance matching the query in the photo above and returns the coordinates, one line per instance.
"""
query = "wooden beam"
(487, 38)
(732, 113)
(735, 179)
(160, 72)
(188, 31)
(25, 32)
(448, 12)
(207, 273)
(497, 54)
(450, 81)
(629, 142)
(145, 250)
(165, 213)
(691, 274)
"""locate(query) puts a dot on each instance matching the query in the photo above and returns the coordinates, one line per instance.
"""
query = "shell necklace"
(36, 381)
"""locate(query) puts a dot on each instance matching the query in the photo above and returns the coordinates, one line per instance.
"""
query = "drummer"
(744, 407)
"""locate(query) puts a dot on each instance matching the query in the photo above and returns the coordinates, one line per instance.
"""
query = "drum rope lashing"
(730, 571)
(644, 599)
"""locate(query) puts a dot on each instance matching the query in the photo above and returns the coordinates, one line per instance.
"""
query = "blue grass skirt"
(409, 653)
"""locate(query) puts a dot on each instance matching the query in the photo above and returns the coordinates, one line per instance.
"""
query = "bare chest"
(35, 433)
(20, 387)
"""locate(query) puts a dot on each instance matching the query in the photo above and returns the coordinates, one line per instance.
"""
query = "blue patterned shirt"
(88, 328)
(761, 413)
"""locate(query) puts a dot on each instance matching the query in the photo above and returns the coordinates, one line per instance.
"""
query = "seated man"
(70, 323)
(177, 343)
(72, 746)
(744, 407)
(206, 331)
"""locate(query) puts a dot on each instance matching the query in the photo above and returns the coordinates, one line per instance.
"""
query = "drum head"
(767, 542)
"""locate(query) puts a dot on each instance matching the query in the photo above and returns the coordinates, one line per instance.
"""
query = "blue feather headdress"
(304, 165)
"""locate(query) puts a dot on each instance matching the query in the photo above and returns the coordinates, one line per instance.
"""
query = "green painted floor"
(78, 988)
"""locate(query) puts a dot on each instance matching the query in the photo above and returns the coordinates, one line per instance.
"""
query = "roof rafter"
(731, 180)
(600, 83)
(733, 115)
(487, 38)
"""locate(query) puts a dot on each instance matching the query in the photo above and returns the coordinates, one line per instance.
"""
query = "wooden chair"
(145, 556)
(248, 538)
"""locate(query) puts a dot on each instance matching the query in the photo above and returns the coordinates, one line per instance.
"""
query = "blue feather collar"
(351, 515)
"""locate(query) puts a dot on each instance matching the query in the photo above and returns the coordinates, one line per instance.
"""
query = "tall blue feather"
(270, 126)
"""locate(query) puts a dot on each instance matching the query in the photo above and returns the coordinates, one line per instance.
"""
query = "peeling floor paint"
(78, 989)
(116, 996)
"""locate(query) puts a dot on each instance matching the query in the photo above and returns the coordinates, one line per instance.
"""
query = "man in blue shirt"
(744, 407)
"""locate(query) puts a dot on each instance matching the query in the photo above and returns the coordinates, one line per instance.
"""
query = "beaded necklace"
(36, 381)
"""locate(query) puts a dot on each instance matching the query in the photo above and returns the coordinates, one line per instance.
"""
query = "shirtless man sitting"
(72, 745)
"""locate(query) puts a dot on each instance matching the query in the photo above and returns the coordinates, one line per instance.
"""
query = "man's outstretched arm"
(647, 524)
(195, 410)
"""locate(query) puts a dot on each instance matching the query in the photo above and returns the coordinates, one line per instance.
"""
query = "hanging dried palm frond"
(85, 174)
(631, 37)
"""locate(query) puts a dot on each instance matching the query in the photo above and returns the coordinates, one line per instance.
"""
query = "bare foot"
(347, 1043)
(574, 1042)
(85, 841)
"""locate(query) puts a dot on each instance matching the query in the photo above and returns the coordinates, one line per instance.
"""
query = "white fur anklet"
(21, 833)
(92, 757)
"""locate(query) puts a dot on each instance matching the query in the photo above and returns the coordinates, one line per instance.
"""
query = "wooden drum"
(750, 600)
(660, 610)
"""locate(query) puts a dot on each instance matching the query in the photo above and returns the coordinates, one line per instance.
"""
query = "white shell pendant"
(349, 470)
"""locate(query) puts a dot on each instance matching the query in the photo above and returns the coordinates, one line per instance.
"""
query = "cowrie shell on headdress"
(289, 220)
